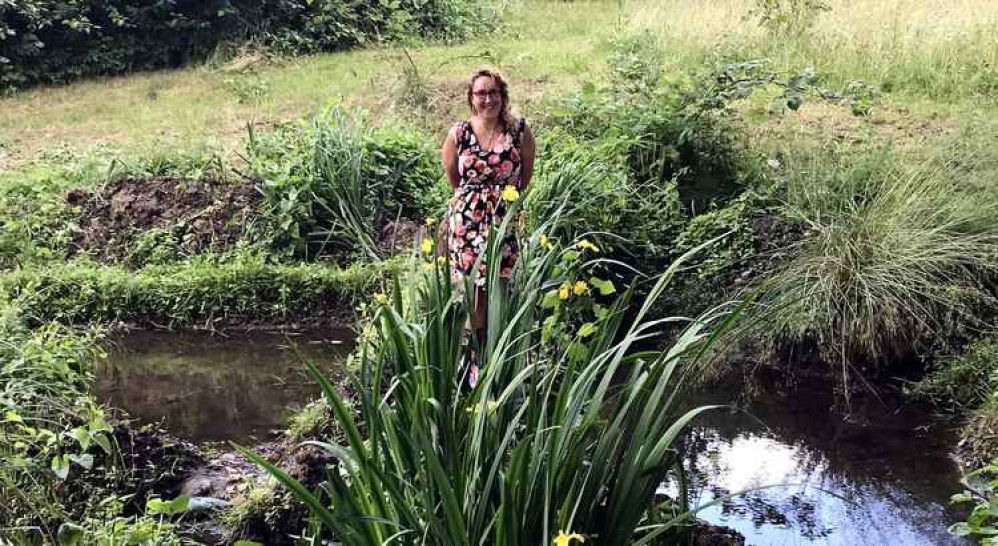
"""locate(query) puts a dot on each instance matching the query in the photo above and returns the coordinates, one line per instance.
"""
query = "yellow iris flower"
(510, 193)
(564, 291)
(380, 298)
(431, 221)
(543, 241)
(586, 245)
(564, 539)
(580, 288)
(427, 246)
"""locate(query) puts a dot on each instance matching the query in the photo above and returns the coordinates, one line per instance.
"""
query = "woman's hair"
(505, 118)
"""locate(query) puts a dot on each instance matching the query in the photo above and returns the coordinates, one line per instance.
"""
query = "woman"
(486, 158)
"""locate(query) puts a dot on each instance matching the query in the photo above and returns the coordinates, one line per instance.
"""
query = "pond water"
(882, 477)
(206, 387)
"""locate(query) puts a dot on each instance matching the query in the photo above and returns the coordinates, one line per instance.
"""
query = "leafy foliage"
(49, 41)
(789, 17)
(547, 441)
(981, 493)
(963, 381)
(330, 185)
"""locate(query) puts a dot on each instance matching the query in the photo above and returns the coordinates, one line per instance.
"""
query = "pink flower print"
(467, 258)
(503, 142)
(514, 154)
(460, 229)
(480, 165)
(493, 159)
(471, 174)
(506, 168)
(506, 272)
(477, 215)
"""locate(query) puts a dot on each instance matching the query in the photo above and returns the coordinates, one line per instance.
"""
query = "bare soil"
(195, 216)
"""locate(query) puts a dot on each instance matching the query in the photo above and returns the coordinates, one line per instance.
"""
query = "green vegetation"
(205, 292)
(831, 160)
(44, 41)
(546, 442)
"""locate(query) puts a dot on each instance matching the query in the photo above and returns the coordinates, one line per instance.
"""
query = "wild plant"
(891, 258)
(568, 432)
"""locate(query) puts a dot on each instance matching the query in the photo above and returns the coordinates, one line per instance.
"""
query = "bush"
(662, 129)
(587, 185)
(49, 41)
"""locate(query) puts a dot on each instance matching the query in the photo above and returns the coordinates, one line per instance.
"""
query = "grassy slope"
(937, 58)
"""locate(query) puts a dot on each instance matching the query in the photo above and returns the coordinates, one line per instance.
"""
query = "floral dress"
(478, 201)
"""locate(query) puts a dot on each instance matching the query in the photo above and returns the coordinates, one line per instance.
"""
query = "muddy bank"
(155, 220)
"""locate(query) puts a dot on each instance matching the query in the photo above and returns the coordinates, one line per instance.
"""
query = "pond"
(882, 477)
(206, 387)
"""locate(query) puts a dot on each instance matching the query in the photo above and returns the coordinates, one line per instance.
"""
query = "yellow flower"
(566, 540)
(586, 245)
(431, 221)
(580, 288)
(427, 246)
(380, 298)
(489, 406)
(543, 240)
(510, 193)
(564, 291)
(429, 266)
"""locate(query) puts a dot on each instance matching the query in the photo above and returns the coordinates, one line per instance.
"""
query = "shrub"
(587, 186)
(48, 41)
(663, 129)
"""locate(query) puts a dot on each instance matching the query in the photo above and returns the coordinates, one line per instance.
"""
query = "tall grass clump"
(330, 184)
(892, 259)
(569, 429)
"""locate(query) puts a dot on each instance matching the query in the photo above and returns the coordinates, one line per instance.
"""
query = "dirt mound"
(139, 221)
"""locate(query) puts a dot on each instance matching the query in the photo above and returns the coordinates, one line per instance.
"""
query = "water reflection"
(884, 478)
(205, 387)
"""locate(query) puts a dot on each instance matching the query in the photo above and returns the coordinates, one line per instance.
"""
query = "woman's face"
(486, 97)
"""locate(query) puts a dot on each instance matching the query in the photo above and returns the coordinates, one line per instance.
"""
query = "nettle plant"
(567, 435)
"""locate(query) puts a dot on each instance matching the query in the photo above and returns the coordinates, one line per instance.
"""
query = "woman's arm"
(527, 152)
(448, 155)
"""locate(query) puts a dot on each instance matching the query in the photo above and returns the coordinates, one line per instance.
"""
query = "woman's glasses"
(490, 93)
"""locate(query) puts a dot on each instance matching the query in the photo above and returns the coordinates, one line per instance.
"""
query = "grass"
(202, 293)
(941, 51)
(894, 256)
